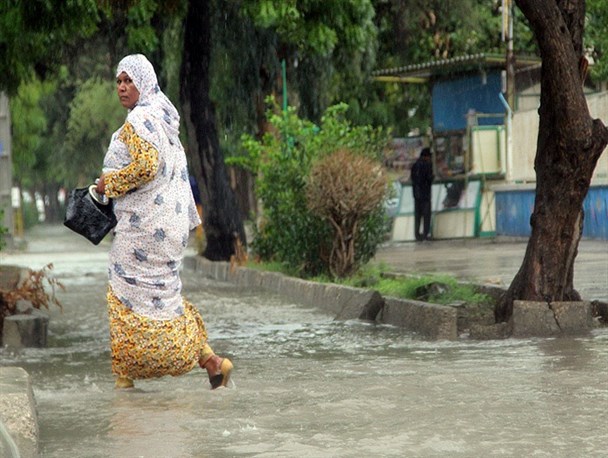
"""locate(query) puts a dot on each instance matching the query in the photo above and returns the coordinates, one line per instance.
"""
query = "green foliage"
(316, 25)
(328, 47)
(29, 127)
(30, 214)
(238, 72)
(413, 32)
(36, 34)
(94, 114)
(141, 34)
(172, 44)
(271, 266)
(596, 37)
(289, 233)
(372, 233)
(405, 287)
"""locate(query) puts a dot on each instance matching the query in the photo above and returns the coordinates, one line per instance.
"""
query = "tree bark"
(51, 203)
(222, 221)
(569, 145)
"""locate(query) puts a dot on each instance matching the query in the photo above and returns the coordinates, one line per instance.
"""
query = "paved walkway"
(494, 262)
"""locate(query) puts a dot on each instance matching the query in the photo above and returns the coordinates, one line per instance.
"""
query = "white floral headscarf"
(152, 101)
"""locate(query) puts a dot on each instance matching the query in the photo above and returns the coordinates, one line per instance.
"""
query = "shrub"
(31, 217)
(33, 289)
(344, 189)
(288, 232)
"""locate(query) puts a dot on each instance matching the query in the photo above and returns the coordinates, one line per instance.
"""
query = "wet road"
(494, 262)
(305, 385)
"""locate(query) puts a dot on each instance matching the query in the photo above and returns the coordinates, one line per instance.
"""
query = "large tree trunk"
(569, 145)
(51, 203)
(222, 220)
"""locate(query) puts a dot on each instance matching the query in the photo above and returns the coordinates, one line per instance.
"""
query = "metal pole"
(509, 151)
(284, 76)
(508, 100)
(6, 167)
(510, 58)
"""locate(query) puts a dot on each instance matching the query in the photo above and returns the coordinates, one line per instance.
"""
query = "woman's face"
(127, 92)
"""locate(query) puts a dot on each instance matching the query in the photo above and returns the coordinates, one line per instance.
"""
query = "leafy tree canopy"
(29, 124)
(35, 35)
(316, 25)
(94, 115)
(596, 37)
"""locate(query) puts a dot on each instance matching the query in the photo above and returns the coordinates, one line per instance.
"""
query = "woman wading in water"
(154, 331)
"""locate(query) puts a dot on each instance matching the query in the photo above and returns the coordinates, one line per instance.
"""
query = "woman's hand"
(101, 185)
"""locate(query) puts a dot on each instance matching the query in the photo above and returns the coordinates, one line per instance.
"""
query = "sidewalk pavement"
(493, 261)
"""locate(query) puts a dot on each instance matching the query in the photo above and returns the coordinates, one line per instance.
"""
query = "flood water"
(308, 386)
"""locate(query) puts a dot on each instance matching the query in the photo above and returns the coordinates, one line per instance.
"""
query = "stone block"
(10, 276)
(573, 317)
(346, 303)
(22, 330)
(431, 321)
(294, 289)
(373, 307)
(542, 319)
(271, 281)
(358, 303)
(490, 332)
(18, 410)
(245, 278)
(302, 291)
(599, 309)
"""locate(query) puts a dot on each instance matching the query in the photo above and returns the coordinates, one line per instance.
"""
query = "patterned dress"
(154, 331)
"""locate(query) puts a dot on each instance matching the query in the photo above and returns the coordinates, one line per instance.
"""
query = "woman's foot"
(219, 370)
(123, 382)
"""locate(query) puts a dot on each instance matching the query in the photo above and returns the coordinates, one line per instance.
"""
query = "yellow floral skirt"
(146, 348)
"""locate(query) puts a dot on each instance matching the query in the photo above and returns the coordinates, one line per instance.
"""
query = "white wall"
(525, 133)
(598, 106)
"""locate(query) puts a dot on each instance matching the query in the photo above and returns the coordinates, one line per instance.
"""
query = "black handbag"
(88, 215)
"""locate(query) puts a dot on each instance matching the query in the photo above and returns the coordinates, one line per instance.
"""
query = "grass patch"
(448, 291)
(271, 267)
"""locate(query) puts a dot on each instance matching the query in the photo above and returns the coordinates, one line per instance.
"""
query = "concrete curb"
(427, 320)
(18, 415)
(541, 319)
(430, 321)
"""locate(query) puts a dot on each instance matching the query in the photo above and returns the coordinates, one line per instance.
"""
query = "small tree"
(344, 189)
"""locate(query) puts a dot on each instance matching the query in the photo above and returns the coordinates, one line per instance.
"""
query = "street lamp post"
(6, 168)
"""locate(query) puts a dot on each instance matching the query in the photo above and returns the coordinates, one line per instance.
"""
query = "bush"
(345, 189)
(31, 217)
(288, 232)
(33, 289)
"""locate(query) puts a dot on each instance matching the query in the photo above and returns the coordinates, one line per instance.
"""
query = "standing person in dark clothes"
(422, 180)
